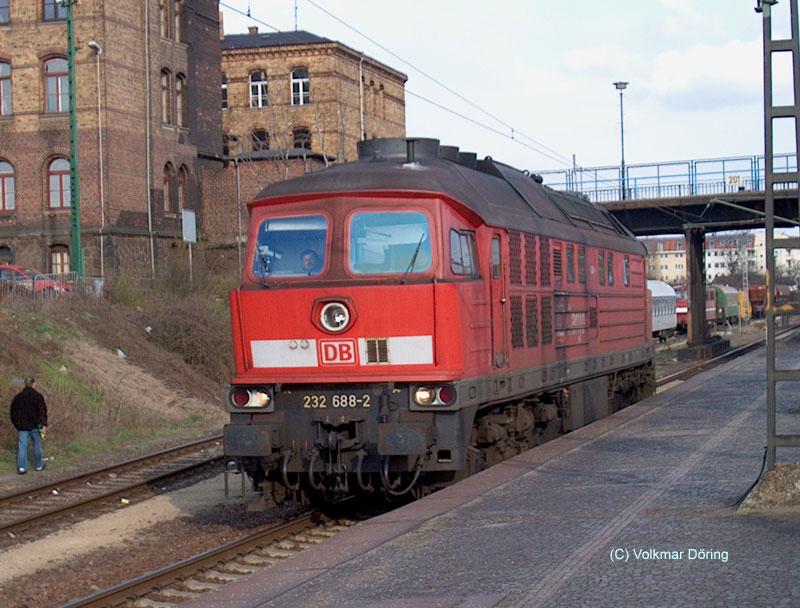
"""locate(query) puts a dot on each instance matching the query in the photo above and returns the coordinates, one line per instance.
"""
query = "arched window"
(301, 89)
(178, 20)
(224, 92)
(54, 10)
(260, 139)
(56, 85)
(183, 179)
(166, 98)
(163, 19)
(7, 196)
(302, 138)
(58, 178)
(258, 89)
(59, 259)
(6, 255)
(5, 85)
(180, 99)
(169, 188)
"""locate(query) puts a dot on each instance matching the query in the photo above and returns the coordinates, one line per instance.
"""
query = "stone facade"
(133, 126)
(343, 85)
(229, 219)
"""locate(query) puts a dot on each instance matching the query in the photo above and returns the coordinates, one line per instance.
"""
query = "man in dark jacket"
(29, 417)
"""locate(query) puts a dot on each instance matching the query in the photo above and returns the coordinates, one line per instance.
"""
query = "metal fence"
(668, 179)
(50, 288)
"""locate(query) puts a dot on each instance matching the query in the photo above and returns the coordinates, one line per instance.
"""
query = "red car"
(12, 276)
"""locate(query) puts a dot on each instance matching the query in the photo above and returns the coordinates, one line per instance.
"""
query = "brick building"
(147, 104)
(298, 90)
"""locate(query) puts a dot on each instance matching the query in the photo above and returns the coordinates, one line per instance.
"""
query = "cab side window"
(496, 263)
(462, 253)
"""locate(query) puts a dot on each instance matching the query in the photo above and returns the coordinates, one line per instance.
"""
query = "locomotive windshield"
(291, 246)
(389, 242)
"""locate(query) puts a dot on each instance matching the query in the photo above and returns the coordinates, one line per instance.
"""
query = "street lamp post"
(621, 87)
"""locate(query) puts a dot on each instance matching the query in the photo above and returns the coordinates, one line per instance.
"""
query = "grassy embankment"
(168, 385)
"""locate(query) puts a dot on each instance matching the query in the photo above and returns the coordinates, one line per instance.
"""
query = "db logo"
(338, 352)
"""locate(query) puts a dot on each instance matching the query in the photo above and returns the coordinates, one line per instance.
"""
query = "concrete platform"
(635, 510)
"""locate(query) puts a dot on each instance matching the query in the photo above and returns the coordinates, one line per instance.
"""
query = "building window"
(180, 100)
(5, 17)
(53, 10)
(166, 102)
(260, 140)
(56, 84)
(610, 269)
(258, 89)
(178, 20)
(5, 86)
(224, 92)
(301, 90)
(163, 19)
(58, 178)
(169, 189)
(59, 259)
(7, 197)
(183, 179)
(301, 137)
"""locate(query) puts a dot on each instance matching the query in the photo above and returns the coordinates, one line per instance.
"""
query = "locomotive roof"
(501, 195)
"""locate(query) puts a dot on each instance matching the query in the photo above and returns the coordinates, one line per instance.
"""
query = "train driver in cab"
(310, 262)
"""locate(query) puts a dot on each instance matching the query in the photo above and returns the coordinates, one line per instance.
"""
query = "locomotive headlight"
(241, 397)
(424, 395)
(334, 317)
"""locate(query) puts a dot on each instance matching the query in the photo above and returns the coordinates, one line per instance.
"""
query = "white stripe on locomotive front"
(299, 352)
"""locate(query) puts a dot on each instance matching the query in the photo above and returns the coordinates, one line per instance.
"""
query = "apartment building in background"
(297, 90)
(724, 253)
(147, 76)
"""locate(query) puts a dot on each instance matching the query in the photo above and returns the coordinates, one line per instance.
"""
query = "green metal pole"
(76, 251)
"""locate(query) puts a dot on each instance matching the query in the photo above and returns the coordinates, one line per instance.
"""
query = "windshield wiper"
(413, 259)
(264, 268)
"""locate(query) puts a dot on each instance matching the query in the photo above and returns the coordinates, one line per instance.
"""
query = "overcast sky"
(546, 68)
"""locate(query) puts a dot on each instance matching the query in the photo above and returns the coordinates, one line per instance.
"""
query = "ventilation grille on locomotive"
(547, 320)
(531, 321)
(514, 258)
(377, 350)
(530, 259)
(557, 268)
(544, 261)
(517, 337)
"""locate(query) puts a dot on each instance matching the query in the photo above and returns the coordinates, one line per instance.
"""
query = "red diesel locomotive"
(418, 315)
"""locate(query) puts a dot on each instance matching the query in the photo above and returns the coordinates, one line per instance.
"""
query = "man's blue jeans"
(22, 448)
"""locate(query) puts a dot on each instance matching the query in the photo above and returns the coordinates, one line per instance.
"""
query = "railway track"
(208, 571)
(701, 366)
(71, 498)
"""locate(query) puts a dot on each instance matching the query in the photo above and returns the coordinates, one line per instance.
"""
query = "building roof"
(243, 42)
(232, 42)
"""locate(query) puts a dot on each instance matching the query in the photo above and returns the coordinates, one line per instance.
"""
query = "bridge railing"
(668, 179)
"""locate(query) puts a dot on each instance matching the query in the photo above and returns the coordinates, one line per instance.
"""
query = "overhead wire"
(513, 131)
(481, 124)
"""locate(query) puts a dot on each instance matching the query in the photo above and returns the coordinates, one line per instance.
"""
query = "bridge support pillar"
(700, 345)
(697, 327)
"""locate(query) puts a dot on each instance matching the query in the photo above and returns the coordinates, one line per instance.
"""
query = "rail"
(67, 494)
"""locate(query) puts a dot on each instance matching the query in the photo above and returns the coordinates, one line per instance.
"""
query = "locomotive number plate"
(337, 401)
